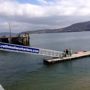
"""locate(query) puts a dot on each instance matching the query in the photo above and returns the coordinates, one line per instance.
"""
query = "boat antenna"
(9, 33)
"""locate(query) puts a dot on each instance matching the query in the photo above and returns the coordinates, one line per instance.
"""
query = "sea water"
(27, 72)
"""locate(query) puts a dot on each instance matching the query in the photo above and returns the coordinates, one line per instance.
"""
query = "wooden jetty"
(76, 55)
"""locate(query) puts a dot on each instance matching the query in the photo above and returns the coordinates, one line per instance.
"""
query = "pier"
(77, 55)
(54, 56)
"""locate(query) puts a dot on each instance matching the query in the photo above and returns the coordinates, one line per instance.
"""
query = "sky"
(28, 15)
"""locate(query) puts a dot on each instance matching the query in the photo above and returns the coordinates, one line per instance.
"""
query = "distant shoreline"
(59, 32)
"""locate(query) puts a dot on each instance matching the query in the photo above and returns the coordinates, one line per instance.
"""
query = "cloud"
(58, 8)
(42, 1)
(44, 14)
(16, 9)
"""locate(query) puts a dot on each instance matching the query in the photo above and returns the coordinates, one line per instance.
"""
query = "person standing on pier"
(67, 52)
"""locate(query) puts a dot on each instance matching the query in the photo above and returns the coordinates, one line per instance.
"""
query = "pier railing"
(48, 52)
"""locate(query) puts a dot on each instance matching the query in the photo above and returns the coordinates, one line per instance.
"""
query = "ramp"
(30, 50)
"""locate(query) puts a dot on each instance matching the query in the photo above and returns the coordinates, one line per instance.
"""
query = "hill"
(84, 26)
(77, 27)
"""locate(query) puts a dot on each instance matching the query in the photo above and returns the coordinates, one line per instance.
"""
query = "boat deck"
(1, 88)
(68, 58)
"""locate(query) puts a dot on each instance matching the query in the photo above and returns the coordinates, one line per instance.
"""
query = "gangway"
(30, 50)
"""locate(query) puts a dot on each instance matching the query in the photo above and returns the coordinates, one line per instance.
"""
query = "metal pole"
(10, 33)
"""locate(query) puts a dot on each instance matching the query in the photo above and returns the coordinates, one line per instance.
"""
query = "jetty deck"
(77, 55)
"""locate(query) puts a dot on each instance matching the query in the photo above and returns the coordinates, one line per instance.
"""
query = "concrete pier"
(76, 55)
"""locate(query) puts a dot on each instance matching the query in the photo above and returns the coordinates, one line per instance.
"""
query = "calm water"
(27, 72)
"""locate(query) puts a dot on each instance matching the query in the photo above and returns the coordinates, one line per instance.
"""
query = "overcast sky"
(30, 15)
